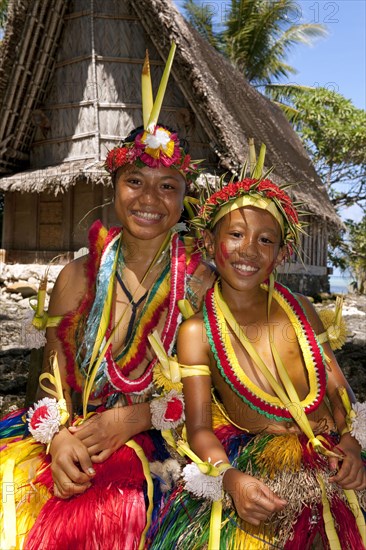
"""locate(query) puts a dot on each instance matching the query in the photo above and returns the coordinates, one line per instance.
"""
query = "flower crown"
(158, 148)
(155, 146)
(262, 193)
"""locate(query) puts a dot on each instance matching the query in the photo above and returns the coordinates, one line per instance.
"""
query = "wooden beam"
(86, 13)
(64, 139)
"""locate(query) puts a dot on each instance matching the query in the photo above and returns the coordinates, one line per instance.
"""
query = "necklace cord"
(96, 361)
(290, 399)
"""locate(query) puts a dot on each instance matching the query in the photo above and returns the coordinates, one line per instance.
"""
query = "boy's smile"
(246, 245)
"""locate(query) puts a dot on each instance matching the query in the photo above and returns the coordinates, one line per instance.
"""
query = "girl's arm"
(71, 466)
(74, 450)
(352, 473)
(254, 501)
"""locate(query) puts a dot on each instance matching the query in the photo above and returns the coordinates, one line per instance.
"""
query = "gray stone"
(22, 287)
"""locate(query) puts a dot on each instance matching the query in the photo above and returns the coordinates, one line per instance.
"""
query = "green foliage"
(3, 13)
(334, 133)
(349, 252)
(200, 15)
(257, 35)
(260, 34)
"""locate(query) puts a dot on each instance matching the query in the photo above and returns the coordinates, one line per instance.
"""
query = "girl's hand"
(105, 432)
(72, 469)
(253, 500)
(352, 472)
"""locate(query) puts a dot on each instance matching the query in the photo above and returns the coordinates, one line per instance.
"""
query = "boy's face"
(148, 201)
(246, 247)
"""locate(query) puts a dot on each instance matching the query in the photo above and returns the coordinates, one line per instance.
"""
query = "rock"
(325, 296)
(24, 303)
(16, 297)
(22, 287)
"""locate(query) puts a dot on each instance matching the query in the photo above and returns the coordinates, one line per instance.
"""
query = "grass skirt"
(110, 515)
(287, 465)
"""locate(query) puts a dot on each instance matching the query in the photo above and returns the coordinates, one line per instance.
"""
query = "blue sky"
(337, 61)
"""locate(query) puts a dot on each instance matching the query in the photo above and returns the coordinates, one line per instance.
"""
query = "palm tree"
(258, 35)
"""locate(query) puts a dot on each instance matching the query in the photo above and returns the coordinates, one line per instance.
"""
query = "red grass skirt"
(110, 515)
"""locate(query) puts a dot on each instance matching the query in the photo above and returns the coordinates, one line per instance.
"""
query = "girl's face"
(246, 246)
(148, 201)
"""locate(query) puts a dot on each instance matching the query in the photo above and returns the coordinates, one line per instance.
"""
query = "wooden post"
(35, 369)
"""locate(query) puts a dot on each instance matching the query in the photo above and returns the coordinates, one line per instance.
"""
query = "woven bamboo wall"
(94, 98)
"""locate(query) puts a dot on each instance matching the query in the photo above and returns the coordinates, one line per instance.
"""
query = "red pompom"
(38, 416)
(174, 410)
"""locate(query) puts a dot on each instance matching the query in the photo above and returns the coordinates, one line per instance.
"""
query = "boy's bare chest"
(262, 337)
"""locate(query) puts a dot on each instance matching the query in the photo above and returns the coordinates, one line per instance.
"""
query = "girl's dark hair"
(183, 143)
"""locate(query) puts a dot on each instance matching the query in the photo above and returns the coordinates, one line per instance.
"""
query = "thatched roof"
(227, 106)
(27, 58)
(58, 178)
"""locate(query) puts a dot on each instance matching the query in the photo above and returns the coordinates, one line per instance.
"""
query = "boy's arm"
(193, 350)
(352, 474)
(253, 500)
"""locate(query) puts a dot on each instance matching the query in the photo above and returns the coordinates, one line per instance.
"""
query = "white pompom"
(202, 485)
(44, 420)
(359, 423)
(167, 412)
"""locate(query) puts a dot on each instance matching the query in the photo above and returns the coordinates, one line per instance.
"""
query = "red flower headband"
(159, 148)
(276, 200)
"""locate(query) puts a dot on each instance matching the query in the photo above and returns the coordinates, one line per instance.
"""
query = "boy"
(278, 436)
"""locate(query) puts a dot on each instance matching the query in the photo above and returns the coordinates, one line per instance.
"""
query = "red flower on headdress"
(291, 212)
(247, 184)
(116, 158)
(185, 164)
(265, 188)
(154, 149)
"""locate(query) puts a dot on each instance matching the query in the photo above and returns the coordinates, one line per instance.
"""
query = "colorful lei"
(170, 288)
(159, 148)
(227, 362)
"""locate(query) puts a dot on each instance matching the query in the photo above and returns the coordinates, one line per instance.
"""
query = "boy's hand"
(72, 469)
(352, 472)
(253, 500)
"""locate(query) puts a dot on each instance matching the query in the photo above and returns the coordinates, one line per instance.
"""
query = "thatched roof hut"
(70, 90)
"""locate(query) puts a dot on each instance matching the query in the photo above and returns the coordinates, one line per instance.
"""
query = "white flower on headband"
(161, 139)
